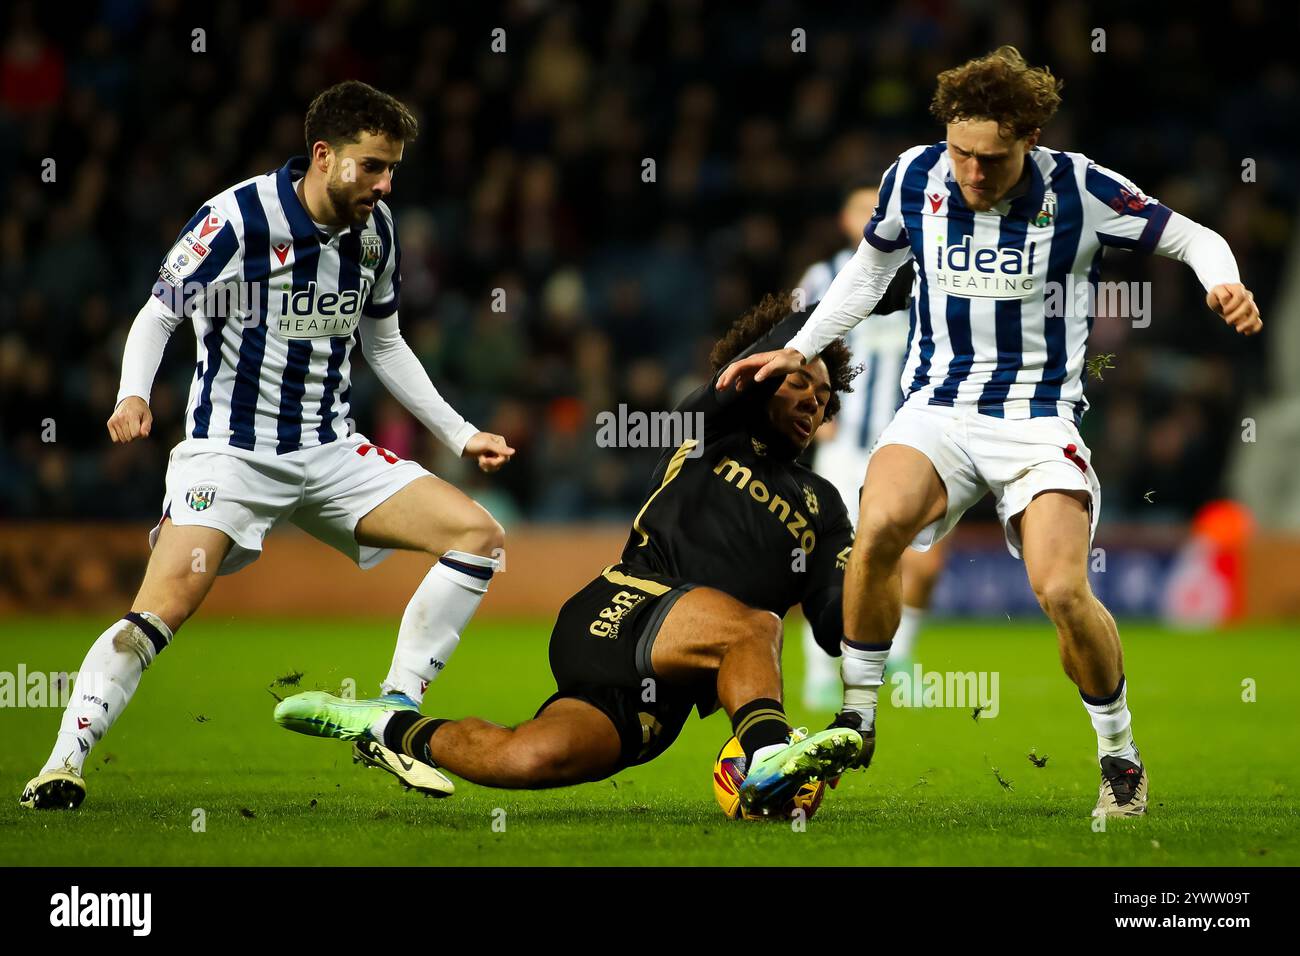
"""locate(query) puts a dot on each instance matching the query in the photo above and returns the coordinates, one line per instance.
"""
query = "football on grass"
(729, 773)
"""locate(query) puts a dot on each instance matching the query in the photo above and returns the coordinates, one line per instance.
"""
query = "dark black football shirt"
(727, 512)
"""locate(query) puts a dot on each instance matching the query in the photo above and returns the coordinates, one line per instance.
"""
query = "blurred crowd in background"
(528, 178)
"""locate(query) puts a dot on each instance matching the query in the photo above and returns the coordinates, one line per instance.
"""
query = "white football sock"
(439, 610)
(108, 677)
(862, 668)
(909, 625)
(1113, 724)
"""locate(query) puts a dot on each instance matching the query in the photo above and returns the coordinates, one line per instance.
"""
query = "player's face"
(360, 175)
(857, 213)
(985, 161)
(799, 405)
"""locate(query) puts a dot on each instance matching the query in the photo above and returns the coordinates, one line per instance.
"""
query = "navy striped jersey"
(1002, 301)
(879, 347)
(276, 305)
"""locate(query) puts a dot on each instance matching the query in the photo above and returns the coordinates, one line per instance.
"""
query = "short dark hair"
(1001, 87)
(340, 114)
(758, 321)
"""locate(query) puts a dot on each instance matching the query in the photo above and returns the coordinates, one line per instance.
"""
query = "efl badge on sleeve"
(200, 497)
(372, 250)
(1048, 212)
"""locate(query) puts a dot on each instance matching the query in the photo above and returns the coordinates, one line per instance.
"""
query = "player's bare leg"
(705, 633)
(902, 494)
(1055, 535)
(920, 572)
(569, 742)
(178, 577)
(708, 631)
(439, 519)
(180, 572)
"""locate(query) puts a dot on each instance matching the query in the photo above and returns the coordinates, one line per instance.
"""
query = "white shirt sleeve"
(854, 293)
(400, 371)
(153, 326)
(1200, 247)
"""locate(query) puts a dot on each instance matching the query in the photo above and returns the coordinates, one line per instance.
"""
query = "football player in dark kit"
(733, 533)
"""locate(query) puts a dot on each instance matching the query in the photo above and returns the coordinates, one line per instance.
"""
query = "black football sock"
(410, 733)
(760, 723)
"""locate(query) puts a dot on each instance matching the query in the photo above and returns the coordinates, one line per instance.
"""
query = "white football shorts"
(325, 490)
(1015, 459)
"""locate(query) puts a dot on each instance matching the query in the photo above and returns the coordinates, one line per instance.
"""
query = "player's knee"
(765, 628)
(539, 765)
(480, 534)
(1063, 598)
(884, 536)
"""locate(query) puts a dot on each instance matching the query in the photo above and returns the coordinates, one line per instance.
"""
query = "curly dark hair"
(1002, 87)
(340, 114)
(758, 321)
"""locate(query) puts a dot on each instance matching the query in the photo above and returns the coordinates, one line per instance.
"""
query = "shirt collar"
(300, 224)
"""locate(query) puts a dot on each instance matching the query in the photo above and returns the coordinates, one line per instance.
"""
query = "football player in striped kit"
(1006, 240)
(281, 275)
(879, 346)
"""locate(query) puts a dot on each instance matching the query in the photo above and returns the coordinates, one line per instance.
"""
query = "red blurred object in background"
(1207, 585)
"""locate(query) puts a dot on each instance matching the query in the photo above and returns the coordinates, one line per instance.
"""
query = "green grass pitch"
(199, 735)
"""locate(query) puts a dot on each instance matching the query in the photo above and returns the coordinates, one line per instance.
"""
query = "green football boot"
(774, 779)
(319, 714)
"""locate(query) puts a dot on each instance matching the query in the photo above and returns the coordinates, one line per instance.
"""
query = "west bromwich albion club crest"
(372, 250)
(200, 497)
(1048, 212)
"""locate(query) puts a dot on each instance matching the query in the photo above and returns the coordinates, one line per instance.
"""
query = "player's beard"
(345, 204)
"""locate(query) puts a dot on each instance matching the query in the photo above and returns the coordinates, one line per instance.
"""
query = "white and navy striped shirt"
(1001, 309)
(879, 346)
(276, 305)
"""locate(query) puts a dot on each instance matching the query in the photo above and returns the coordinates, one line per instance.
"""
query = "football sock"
(761, 727)
(438, 611)
(909, 625)
(406, 732)
(1113, 723)
(108, 677)
(862, 668)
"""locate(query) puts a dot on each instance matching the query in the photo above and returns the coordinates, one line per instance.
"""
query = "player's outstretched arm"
(1212, 260)
(857, 288)
(153, 326)
(400, 371)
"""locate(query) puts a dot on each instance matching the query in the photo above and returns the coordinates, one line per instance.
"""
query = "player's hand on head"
(491, 451)
(760, 366)
(130, 420)
(1236, 304)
